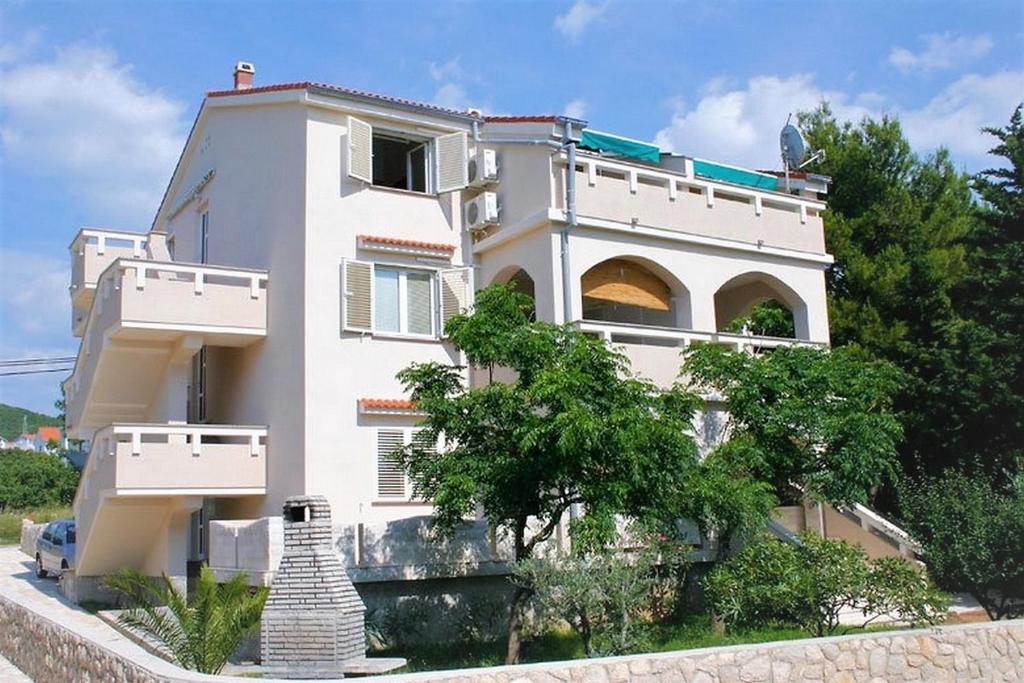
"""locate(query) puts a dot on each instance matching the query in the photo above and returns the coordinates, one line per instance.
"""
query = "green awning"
(738, 176)
(619, 146)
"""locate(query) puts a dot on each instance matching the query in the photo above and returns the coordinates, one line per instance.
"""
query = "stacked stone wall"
(50, 651)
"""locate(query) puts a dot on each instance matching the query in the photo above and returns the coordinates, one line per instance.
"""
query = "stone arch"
(737, 297)
(634, 290)
(521, 281)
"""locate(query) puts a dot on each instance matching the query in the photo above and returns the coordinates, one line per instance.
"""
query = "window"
(400, 163)
(392, 481)
(196, 407)
(204, 237)
(388, 299)
(388, 158)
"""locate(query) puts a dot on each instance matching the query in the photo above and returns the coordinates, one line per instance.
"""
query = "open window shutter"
(456, 286)
(360, 150)
(356, 296)
(452, 156)
(390, 475)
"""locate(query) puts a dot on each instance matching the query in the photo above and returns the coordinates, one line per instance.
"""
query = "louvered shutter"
(419, 438)
(452, 156)
(360, 150)
(419, 303)
(356, 296)
(390, 475)
(456, 285)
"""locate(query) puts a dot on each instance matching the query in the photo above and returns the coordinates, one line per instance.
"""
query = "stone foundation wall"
(49, 651)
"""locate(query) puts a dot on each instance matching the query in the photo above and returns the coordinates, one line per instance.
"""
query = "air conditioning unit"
(483, 168)
(482, 211)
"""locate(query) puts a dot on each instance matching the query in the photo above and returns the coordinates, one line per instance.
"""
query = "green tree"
(607, 596)
(32, 480)
(812, 582)
(767, 319)
(900, 227)
(201, 633)
(971, 534)
(817, 419)
(569, 428)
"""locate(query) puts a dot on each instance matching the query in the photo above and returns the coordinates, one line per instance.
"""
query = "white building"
(312, 242)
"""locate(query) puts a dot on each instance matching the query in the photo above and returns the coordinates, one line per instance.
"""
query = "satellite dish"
(794, 151)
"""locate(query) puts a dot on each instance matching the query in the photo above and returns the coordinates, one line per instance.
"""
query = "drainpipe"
(570, 221)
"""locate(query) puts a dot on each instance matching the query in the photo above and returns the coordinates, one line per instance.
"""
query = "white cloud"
(576, 109)
(573, 23)
(83, 119)
(941, 51)
(450, 70)
(452, 96)
(955, 116)
(740, 124)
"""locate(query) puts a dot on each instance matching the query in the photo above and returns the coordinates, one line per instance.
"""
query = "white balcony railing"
(92, 251)
(156, 303)
(653, 352)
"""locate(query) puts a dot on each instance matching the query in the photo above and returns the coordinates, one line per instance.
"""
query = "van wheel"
(40, 572)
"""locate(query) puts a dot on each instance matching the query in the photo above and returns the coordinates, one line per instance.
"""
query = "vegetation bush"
(10, 522)
(35, 480)
(201, 633)
(609, 598)
(972, 537)
(811, 583)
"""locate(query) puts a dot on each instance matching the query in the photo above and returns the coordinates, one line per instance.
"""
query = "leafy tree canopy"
(820, 420)
(32, 480)
(567, 426)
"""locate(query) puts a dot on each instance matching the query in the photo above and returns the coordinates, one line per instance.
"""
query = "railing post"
(632, 181)
(196, 440)
(197, 281)
(254, 287)
(137, 247)
(136, 442)
(254, 444)
(140, 277)
(101, 244)
(673, 189)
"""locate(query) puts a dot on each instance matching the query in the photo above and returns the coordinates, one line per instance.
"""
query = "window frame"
(403, 300)
(427, 142)
(408, 434)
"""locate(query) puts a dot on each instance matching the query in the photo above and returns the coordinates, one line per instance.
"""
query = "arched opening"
(625, 291)
(520, 281)
(759, 304)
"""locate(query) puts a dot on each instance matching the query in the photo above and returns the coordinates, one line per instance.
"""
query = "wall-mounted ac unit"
(483, 168)
(482, 211)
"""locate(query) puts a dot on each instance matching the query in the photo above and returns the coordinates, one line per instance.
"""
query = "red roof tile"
(535, 118)
(48, 434)
(305, 85)
(433, 246)
(386, 404)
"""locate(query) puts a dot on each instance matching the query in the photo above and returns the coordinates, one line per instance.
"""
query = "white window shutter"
(360, 150)
(452, 159)
(356, 296)
(390, 474)
(456, 285)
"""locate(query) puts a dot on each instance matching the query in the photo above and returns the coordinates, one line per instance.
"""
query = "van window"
(71, 535)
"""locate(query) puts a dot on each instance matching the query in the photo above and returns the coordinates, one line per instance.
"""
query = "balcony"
(146, 314)
(638, 195)
(91, 252)
(137, 474)
(653, 352)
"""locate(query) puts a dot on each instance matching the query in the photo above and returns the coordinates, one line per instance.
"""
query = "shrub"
(201, 633)
(34, 480)
(607, 597)
(971, 535)
(812, 582)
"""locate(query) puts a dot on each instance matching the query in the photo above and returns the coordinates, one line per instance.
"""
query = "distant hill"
(12, 419)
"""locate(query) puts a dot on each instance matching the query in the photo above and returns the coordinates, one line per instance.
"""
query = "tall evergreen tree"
(897, 226)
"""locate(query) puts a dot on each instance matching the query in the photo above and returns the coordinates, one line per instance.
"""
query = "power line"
(36, 361)
(33, 372)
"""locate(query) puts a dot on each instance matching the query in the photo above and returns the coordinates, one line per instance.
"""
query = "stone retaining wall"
(47, 650)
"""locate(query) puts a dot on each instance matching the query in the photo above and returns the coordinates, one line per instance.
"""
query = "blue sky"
(96, 98)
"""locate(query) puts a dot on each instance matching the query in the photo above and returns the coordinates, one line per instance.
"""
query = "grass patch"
(692, 632)
(10, 521)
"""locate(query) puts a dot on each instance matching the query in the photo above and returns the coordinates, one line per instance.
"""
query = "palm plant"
(201, 633)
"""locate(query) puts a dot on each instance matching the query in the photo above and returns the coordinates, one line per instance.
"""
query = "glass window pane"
(420, 312)
(385, 300)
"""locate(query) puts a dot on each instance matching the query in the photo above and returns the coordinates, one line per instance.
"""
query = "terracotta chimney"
(245, 74)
